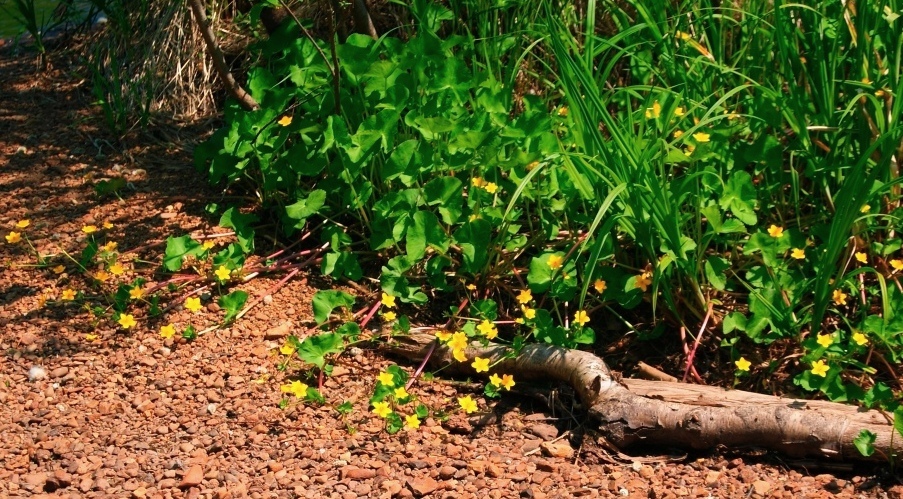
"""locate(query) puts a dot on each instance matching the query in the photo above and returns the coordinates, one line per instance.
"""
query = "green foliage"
(661, 162)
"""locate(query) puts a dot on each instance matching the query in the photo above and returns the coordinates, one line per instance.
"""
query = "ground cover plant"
(653, 161)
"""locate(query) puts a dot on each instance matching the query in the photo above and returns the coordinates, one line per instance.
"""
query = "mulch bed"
(134, 415)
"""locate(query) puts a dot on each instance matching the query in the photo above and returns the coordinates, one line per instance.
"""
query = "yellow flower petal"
(798, 253)
(388, 300)
(382, 409)
(468, 404)
(555, 262)
(21, 224)
(285, 120)
(480, 364)
(193, 304)
(701, 137)
(819, 368)
(167, 331)
(775, 231)
(126, 321)
(743, 364)
(825, 340)
(13, 237)
(525, 296)
(412, 422)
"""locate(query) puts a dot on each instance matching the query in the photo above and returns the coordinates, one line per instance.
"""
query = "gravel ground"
(134, 415)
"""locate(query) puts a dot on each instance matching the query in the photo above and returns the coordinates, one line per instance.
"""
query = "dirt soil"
(130, 414)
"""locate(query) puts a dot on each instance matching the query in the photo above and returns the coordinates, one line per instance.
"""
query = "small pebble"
(36, 373)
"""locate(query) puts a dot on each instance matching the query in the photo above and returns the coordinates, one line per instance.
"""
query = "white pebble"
(36, 373)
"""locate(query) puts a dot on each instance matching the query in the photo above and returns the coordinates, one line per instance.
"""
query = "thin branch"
(219, 60)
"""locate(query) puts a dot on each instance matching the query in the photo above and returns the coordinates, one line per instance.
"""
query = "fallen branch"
(676, 414)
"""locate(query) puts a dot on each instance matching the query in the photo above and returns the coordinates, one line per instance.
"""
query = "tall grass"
(815, 138)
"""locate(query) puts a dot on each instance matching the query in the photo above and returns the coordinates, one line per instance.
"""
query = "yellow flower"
(443, 336)
(193, 304)
(386, 378)
(381, 409)
(678, 134)
(286, 349)
(683, 36)
(467, 403)
(743, 364)
(126, 321)
(488, 329)
(480, 365)
(21, 224)
(644, 280)
(90, 337)
(679, 112)
(495, 380)
(222, 273)
(117, 269)
(388, 300)
(525, 296)
(472, 287)
(865, 208)
(897, 264)
(389, 316)
(285, 120)
(400, 393)
(167, 331)
(136, 293)
(101, 275)
(458, 341)
(798, 253)
(563, 111)
(861, 257)
(689, 150)
(68, 294)
(775, 231)
(459, 355)
(599, 285)
(529, 313)
(13, 237)
(110, 246)
(840, 298)
(478, 182)
(819, 368)
(59, 269)
(412, 422)
(825, 340)
(701, 137)
(296, 388)
(107, 225)
(860, 339)
(655, 111)
(208, 244)
(580, 318)
(555, 262)
(507, 381)
(491, 188)
(89, 229)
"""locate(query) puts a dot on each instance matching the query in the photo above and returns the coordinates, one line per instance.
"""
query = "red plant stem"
(370, 314)
(690, 357)
(683, 339)
(270, 291)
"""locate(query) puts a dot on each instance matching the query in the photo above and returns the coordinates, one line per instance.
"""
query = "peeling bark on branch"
(688, 416)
